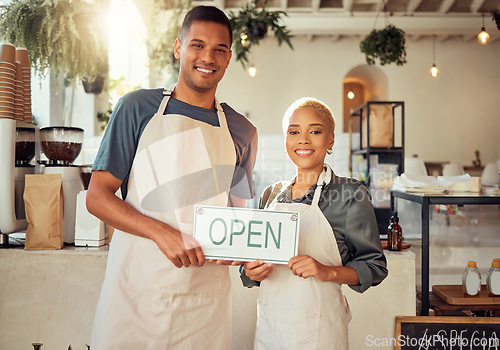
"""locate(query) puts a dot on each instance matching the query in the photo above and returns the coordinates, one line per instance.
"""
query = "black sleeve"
(247, 282)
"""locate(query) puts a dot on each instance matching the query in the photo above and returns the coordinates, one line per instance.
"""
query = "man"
(169, 150)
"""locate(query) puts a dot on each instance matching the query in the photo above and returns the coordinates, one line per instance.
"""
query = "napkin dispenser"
(89, 230)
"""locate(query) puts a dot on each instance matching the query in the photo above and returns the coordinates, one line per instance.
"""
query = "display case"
(380, 156)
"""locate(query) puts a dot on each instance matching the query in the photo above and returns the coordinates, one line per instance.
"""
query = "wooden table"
(435, 168)
(440, 307)
(473, 170)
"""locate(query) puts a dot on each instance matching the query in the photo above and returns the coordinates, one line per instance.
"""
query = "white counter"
(50, 297)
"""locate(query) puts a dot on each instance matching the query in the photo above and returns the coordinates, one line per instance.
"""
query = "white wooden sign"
(247, 234)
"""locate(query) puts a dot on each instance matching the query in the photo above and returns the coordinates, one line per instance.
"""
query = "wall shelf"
(391, 152)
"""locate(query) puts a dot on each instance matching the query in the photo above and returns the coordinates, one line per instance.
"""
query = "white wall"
(447, 117)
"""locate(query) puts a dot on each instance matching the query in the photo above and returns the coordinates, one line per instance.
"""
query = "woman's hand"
(304, 266)
(258, 270)
(226, 262)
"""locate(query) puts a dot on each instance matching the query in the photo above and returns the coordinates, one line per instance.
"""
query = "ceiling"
(337, 19)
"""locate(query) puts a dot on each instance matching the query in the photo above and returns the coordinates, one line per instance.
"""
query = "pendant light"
(434, 70)
(252, 71)
(483, 37)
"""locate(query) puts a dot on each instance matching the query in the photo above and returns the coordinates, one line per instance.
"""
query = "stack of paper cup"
(19, 98)
(22, 57)
(7, 80)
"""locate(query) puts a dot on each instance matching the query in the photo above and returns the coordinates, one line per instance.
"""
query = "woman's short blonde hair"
(321, 109)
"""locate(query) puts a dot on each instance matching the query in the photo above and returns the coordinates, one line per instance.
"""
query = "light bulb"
(434, 71)
(252, 71)
(483, 37)
(350, 95)
(244, 39)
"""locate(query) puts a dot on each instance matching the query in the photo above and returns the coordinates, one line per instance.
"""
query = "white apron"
(146, 302)
(297, 313)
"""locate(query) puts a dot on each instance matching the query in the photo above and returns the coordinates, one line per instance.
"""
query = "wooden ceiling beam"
(335, 38)
(347, 5)
(220, 4)
(446, 5)
(476, 5)
(415, 37)
(315, 5)
(413, 5)
(442, 38)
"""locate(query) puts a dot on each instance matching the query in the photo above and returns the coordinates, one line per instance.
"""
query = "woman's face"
(307, 139)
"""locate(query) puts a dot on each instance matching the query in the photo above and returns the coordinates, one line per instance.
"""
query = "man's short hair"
(206, 14)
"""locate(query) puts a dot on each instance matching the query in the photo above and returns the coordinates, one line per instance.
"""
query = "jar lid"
(495, 264)
(471, 264)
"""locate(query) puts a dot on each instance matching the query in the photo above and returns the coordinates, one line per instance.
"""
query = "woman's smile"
(304, 152)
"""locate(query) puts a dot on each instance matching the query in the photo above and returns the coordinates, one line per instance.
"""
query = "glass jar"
(471, 280)
(493, 279)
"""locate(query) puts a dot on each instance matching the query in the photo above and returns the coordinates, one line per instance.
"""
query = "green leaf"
(251, 13)
(63, 35)
(386, 45)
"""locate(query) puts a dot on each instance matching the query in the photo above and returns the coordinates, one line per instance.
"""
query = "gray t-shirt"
(134, 111)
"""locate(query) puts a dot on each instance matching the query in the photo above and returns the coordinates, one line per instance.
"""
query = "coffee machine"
(18, 147)
(62, 145)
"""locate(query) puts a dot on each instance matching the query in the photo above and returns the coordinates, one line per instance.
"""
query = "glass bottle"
(394, 234)
(493, 279)
(389, 231)
(471, 280)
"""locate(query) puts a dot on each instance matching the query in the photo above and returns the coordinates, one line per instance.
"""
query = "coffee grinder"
(89, 230)
(17, 149)
(62, 145)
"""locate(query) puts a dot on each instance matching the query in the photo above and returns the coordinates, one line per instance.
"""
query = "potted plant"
(95, 84)
(251, 24)
(160, 41)
(386, 45)
(64, 35)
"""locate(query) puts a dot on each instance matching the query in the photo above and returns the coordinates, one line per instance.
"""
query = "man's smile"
(204, 70)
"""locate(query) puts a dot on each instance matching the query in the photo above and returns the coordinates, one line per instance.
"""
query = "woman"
(301, 306)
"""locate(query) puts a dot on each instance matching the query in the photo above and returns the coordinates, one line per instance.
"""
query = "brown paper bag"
(44, 204)
(381, 126)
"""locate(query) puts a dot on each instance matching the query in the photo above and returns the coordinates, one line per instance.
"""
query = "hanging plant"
(386, 45)
(63, 35)
(496, 18)
(160, 42)
(251, 24)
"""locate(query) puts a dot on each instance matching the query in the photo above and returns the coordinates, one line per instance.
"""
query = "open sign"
(246, 234)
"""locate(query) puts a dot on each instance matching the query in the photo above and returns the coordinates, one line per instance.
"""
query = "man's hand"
(258, 270)
(180, 249)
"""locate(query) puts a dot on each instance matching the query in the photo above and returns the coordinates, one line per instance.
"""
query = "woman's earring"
(329, 151)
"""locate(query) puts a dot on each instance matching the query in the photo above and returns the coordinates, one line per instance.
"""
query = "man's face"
(205, 54)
